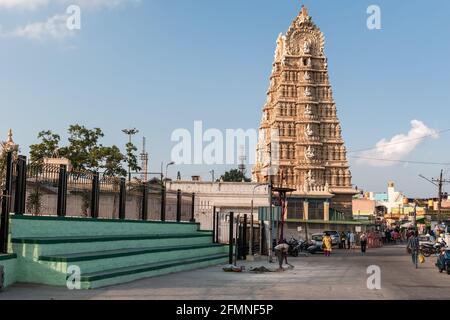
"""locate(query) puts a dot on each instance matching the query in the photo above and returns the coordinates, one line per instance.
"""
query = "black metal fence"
(244, 237)
(53, 190)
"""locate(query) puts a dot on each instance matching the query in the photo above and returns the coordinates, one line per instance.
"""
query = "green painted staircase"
(107, 252)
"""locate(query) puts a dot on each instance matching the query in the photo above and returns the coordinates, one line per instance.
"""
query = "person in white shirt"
(352, 240)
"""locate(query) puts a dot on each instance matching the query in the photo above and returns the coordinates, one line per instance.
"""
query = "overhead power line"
(402, 161)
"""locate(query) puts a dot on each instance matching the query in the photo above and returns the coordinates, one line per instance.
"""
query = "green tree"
(46, 148)
(131, 157)
(112, 160)
(84, 150)
(234, 175)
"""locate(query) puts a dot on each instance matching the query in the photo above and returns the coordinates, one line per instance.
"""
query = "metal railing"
(52, 190)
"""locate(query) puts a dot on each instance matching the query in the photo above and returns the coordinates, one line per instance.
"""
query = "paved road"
(343, 276)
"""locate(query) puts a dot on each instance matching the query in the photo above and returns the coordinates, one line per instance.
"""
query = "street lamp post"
(251, 228)
(167, 168)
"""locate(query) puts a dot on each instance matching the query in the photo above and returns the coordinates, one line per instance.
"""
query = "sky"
(160, 65)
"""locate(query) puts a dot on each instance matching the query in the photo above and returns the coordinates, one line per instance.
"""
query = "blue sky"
(161, 65)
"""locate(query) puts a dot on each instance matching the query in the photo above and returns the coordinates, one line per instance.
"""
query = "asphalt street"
(342, 276)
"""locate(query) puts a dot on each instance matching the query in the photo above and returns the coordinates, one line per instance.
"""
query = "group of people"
(348, 241)
(394, 236)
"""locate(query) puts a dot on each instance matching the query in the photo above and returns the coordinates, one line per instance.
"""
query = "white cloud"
(55, 27)
(98, 4)
(399, 146)
(22, 4)
(84, 4)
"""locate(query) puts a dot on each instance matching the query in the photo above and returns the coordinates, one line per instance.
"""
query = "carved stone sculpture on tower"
(313, 156)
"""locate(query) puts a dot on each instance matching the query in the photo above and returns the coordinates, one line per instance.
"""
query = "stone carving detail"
(307, 76)
(307, 92)
(308, 111)
(309, 131)
(279, 52)
(306, 47)
(309, 154)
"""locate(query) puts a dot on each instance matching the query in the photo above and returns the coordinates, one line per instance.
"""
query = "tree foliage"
(234, 175)
(85, 151)
(131, 157)
(112, 160)
(46, 148)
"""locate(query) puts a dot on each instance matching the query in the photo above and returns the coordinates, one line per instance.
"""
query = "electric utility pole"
(439, 183)
(270, 206)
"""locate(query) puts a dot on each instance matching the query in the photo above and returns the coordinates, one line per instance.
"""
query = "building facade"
(300, 133)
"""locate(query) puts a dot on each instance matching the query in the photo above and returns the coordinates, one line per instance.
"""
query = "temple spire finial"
(304, 12)
(10, 136)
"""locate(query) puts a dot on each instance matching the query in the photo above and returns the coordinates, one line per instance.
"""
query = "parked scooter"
(429, 249)
(443, 262)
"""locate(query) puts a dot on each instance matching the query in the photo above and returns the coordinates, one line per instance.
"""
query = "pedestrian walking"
(388, 236)
(281, 252)
(327, 245)
(343, 240)
(348, 240)
(352, 237)
(363, 240)
(413, 248)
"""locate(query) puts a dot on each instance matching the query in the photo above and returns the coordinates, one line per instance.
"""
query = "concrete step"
(33, 247)
(127, 274)
(89, 262)
(42, 226)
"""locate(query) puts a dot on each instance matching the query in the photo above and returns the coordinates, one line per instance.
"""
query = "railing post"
(145, 202)
(244, 239)
(95, 196)
(214, 225)
(193, 208)
(217, 226)
(178, 205)
(21, 186)
(6, 205)
(230, 239)
(163, 203)
(62, 191)
(122, 199)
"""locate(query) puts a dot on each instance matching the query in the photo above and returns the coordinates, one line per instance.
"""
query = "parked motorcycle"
(293, 247)
(297, 246)
(429, 249)
(443, 261)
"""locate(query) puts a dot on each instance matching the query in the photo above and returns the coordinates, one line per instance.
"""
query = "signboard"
(264, 214)
(358, 229)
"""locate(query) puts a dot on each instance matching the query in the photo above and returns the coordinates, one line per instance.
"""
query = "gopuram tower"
(310, 155)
